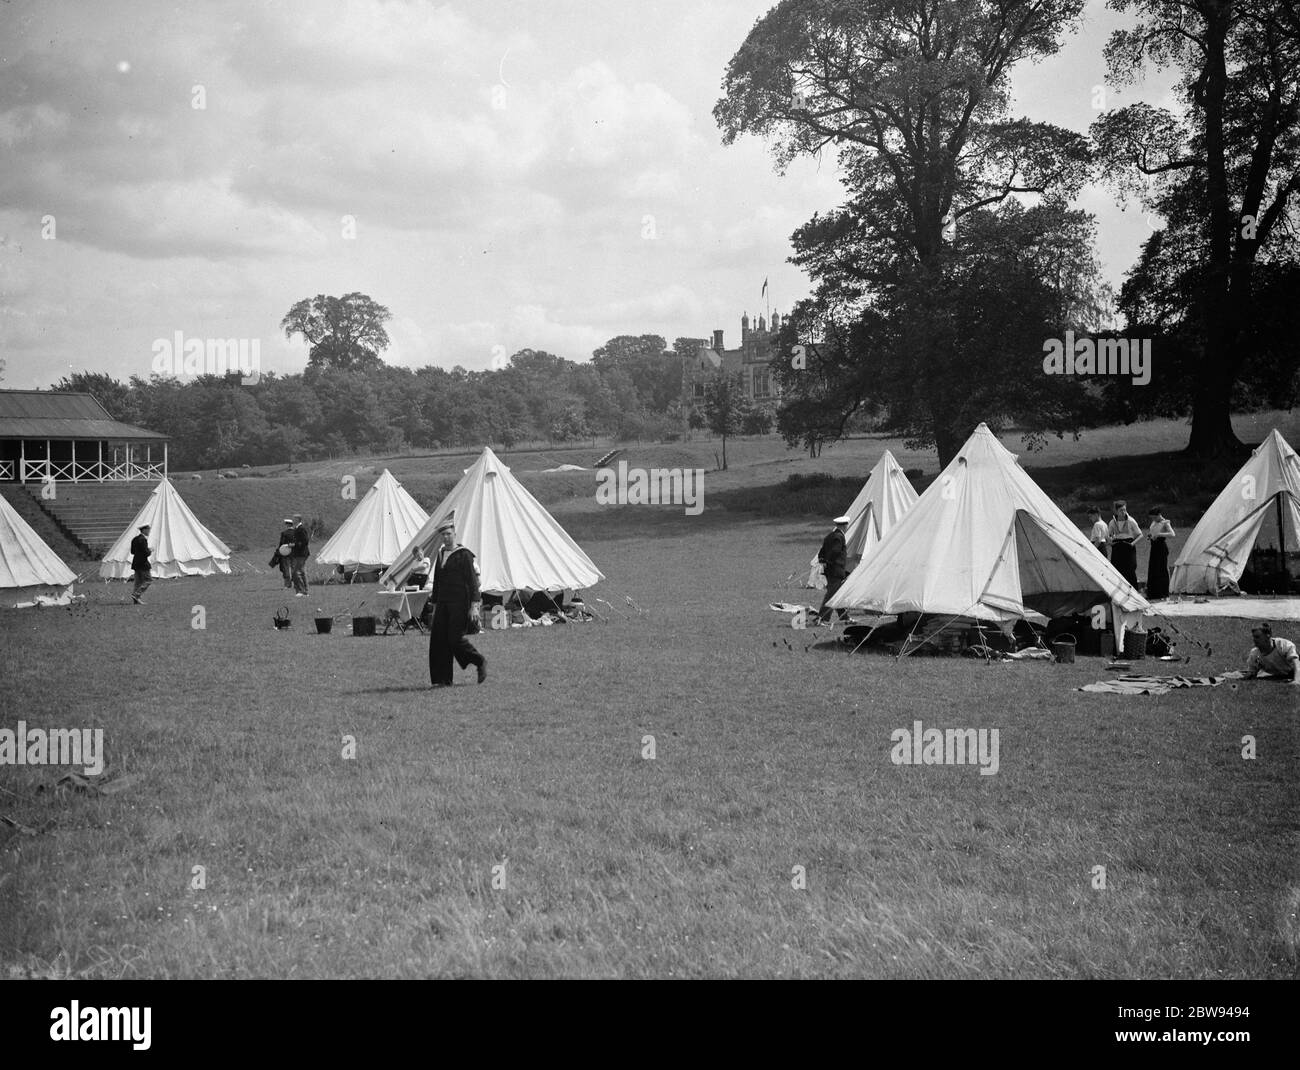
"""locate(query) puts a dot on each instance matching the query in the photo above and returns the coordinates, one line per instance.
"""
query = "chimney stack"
(717, 341)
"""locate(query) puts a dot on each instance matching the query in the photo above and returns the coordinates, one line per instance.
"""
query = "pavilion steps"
(93, 515)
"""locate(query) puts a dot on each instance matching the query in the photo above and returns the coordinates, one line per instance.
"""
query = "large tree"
(1233, 150)
(915, 96)
(345, 333)
(952, 342)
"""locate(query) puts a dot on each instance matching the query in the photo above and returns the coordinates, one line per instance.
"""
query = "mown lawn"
(770, 754)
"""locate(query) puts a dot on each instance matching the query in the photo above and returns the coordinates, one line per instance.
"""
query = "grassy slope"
(769, 756)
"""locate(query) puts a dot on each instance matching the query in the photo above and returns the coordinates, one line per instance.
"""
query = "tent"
(181, 545)
(984, 541)
(28, 567)
(1265, 490)
(884, 498)
(375, 532)
(517, 544)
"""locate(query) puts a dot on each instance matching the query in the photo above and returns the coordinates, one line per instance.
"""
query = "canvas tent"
(985, 542)
(884, 498)
(376, 531)
(1265, 493)
(181, 545)
(28, 567)
(517, 544)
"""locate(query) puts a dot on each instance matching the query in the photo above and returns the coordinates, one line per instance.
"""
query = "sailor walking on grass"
(456, 606)
(835, 561)
(140, 564)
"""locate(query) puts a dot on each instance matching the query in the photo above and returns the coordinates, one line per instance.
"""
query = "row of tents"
(518, 544)
(985, 542)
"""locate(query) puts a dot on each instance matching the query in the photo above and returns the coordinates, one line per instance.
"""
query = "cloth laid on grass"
(884, 498)
(1156, 685)
(790, 607)
(1031, 653)
(50, 601)
(29, 569)
(1266, 486)
(375, 532)
(1246, 608)
(985, 542)
(516, 543)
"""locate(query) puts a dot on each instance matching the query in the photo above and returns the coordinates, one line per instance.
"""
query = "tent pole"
(1284, 576)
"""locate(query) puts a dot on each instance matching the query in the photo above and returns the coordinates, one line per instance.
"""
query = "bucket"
(1063, 647)
(323, 625)
(281, 619)
(363, 625)
(1135, 645)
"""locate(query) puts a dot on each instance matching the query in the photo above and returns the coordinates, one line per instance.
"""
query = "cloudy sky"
(541, 173)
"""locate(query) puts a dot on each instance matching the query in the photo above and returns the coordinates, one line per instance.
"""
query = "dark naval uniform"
(835, 561)
(454, 590)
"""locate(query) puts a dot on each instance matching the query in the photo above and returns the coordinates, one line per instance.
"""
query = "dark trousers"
(286, 572)
(1158, 570)
(1124, 556)
(833, 584)
(297, 567)
(1102, 549)
(447, 639)
(143, 577)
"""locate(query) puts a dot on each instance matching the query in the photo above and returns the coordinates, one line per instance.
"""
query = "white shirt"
(1282, 660)
(1128, 528)
(1098, 531)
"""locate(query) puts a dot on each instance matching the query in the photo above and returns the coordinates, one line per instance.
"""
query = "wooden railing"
(95, 472)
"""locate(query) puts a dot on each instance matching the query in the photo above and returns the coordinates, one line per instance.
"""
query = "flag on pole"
(764, 293)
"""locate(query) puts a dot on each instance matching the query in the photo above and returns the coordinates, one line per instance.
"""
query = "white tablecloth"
(407, 604)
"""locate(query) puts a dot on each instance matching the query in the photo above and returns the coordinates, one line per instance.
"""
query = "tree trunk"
(1226, 287)
(1212, 434)
(947, 444)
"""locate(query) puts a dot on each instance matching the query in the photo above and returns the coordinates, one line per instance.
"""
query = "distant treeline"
(630, 390)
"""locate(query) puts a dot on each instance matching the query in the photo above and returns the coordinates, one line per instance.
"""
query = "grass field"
(771, 752)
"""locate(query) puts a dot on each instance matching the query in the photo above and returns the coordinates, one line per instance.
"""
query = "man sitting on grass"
(1271, 657)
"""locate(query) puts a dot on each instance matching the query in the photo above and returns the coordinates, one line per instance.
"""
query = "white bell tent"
(375, 532)
(516, 543)
(1261, 500)
(985, 542)
(181, 545)
(884, 498)
(28, 567)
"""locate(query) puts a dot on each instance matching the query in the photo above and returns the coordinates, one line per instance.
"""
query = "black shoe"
(482, 670)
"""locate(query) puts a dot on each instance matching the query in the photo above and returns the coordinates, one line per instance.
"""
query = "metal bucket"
(281, 619)
(1063, 647)
(323, 625)
(363, 625)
